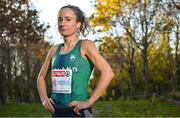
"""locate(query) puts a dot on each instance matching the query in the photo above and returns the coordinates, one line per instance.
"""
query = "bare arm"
(106, 75)
(41, 81)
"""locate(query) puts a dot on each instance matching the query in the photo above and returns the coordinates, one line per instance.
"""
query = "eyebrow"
(65, 17)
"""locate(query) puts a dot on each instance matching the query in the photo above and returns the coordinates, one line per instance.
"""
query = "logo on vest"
(74, 69)
(72, 57)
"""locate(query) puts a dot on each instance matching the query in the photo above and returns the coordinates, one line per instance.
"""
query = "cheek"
(72, 28)
(72, 25)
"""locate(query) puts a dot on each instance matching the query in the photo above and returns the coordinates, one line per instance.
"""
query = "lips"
(63, 29)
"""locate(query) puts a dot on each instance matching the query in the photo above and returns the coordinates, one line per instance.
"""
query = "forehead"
(66, 12)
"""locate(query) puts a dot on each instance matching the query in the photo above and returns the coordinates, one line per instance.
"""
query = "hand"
(48, 104)
(79, 105)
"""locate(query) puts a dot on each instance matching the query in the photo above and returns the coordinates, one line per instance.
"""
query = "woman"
(71, 65)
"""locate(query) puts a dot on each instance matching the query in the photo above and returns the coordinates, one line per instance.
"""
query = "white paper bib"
(61, 80)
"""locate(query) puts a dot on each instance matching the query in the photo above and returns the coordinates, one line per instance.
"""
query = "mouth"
(63, 29)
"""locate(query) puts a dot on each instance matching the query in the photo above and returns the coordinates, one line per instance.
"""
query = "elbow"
(112, 75)
(39, 79)
(107, 73)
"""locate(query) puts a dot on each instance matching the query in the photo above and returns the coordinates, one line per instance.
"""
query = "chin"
(66, 34)
(63, 34)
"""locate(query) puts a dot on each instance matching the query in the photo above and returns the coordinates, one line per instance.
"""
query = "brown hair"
(80, 17)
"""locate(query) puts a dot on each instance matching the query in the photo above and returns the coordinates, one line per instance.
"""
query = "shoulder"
(86, 44)
(89, 47)
(53, 49)
(87, 41)
(54, 46)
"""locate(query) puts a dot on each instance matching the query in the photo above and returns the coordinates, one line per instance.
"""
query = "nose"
(61, 23)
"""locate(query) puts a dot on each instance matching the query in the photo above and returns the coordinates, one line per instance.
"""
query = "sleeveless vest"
(81, 71)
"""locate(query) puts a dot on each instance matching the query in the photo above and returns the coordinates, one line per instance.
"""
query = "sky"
(48, 14)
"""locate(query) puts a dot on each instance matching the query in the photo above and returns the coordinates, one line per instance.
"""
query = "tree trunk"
(170, 69)
(8, 73)
(2, 75)
(28, 75)
(177, 57)
(145, 70)
(132, 74)
(2, 95)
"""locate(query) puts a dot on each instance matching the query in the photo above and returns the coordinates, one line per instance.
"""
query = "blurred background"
(139, 39)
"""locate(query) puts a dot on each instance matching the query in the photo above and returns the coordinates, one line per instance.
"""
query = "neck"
(70, 41)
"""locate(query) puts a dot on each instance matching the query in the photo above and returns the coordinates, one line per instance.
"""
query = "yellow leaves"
(169, 23)
(158, 57)
(145, 2)
(108, 45)
(159, 48)
(40, 51)
(130, 30)
(163, 40)
(106, 10)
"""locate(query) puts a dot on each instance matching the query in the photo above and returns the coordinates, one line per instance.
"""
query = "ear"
(78, 25)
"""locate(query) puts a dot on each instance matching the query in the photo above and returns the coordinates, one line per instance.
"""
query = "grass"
(139, 108)
(118, 108)
(23, 110)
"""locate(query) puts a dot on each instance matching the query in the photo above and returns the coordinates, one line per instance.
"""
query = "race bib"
(61, 80)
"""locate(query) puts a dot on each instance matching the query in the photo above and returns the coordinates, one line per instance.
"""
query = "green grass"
(137, 108)
(118, 108)
(23, 110)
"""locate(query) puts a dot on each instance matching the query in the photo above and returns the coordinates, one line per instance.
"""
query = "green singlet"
(70, 74)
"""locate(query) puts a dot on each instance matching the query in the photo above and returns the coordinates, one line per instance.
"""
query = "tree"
(103, 18)
(141, 21)
(19, 29)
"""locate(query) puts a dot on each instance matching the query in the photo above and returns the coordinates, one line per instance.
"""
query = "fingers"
(79, 106)
(48, 105)
(76, 110)
(51, 101)
(73, 103)
(44, 104)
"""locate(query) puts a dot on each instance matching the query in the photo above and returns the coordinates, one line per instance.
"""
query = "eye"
(60, 19)
(68, 19)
